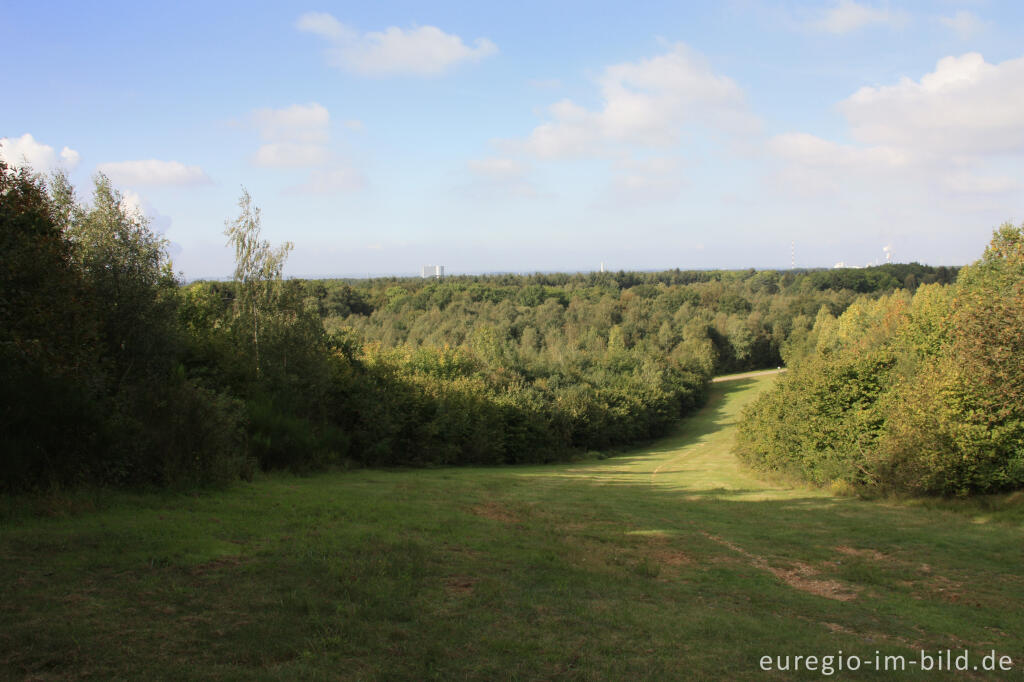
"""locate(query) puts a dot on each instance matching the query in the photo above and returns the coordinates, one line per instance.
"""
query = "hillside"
(666, 561)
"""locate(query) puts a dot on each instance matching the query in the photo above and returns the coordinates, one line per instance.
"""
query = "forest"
(117, 373)
(919, 392)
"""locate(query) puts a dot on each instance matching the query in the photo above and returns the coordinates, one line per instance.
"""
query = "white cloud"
(290, 155)
(69, 157)
(647, 103)
(323, 25)
(956, 131)
(966, 107)
(40, 157)
(293, 137)
(298, 137)
(132, 204)
(815, 166)
(847, 15)
(965, 24)
(135, 205)
(153, 172)
(297, 123)
(423, 51)
(814, 151)
(565, 139)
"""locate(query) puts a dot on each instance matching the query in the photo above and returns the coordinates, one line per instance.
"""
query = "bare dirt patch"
(460, 551)
(867, 636)
(945, 589)
(495, 512)
(215, 564)
(460, 585)
(798, 575)
(801, 576)
(573, 527)
(657, 547)
(929, 586)
(837, 628)
(671, 557)
(872, 554)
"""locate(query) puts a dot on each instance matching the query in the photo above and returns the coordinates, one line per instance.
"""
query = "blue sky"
(537, 135)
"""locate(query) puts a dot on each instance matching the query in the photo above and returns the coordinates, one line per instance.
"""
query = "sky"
(534, 136)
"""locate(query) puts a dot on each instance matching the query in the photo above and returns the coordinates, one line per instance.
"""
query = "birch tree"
(258, 270)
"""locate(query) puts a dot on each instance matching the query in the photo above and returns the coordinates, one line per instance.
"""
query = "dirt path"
(747, 375)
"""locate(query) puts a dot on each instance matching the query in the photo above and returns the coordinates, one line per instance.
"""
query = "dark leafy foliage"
(90, 390)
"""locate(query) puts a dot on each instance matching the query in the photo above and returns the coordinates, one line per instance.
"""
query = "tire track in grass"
(720, 470)
(800, 575)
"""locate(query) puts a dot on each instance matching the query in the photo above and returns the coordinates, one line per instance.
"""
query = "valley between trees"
(667, 561)
(114, 373)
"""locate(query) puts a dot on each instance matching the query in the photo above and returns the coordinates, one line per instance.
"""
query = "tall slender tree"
(258, 269)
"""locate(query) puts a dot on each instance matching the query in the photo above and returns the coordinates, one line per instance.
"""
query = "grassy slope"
(666, 562)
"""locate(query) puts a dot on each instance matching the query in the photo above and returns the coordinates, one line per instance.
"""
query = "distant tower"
(602, 266)
(435, 271)
(792, 255)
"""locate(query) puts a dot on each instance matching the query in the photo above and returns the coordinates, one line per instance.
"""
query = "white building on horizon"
(435, 271)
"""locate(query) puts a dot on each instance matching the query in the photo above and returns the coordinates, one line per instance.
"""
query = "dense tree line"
(116, 373)
(511, 368)
(718, 321)
(921, 393)
(91, 388)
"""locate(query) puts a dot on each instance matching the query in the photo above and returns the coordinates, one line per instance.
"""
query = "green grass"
(668, 562)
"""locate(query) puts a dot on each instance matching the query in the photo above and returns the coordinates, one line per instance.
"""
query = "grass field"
(667, 562)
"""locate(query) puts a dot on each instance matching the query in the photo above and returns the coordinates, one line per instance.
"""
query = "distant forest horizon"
(398, 275)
